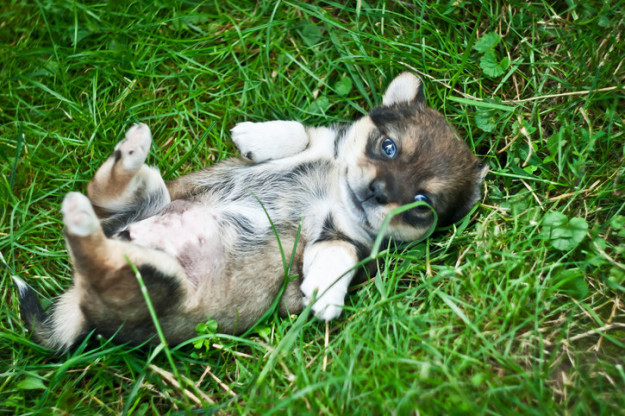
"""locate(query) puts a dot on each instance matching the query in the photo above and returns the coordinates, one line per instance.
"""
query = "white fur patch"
(321, 142)
(269, 140)
(78, 215)
(22, 287)
(67, 320)
(402, 89)
(327, 270)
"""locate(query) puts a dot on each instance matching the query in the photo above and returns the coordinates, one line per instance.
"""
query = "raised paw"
(269, 140)
(78, 214)
(133, 150)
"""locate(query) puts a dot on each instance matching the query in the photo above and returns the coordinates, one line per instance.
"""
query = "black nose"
(378, 192)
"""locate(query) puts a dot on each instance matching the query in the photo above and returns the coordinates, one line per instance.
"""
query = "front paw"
(326, 311)
(327, 306)
(270, 140)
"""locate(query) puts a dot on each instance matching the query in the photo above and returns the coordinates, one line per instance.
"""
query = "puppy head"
(403, 152)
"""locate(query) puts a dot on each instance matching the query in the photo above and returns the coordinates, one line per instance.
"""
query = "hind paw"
(135, 147)
(78, 215)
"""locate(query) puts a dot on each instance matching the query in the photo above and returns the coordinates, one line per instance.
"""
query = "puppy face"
(403, 152)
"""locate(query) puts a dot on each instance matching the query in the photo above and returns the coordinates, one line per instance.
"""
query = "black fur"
(329, 232)
(30, 308)
(144, 206)
(341, 130)
(117, 155)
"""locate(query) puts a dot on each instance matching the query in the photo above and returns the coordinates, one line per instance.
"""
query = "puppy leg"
(328, 270)
(270, 140)
(106, 295)
(124, 189)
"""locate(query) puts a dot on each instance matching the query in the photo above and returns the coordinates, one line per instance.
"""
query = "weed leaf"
(319, 106)
(563, 233)
(344, 86)
(31, 383)
(491, 67)
(485, 121)
(311, 34)
(618, 224)
(487, 42)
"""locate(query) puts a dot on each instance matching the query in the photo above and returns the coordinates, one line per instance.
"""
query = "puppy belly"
(188, 233)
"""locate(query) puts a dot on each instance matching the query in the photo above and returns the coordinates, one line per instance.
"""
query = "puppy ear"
(473, 195)
(405, 88)
(481, 170)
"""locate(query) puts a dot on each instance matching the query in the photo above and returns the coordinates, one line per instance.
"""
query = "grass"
(518, 309)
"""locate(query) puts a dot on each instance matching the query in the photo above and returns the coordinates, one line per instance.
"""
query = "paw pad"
(78, 214)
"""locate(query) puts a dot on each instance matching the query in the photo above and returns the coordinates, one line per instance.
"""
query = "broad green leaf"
(504, 64)
(344, 86)
(486, 121)
(604, 21)
(263, 330)
(478, 379)
(579, 228)
(311, 34)
(205, 328)
(208, 327)
(487, 42)
(616, 275)
(554, 219)
(563, 233)
(530, 169)
(31, 383)
(320, 105)
(490, 66)
(618, 224)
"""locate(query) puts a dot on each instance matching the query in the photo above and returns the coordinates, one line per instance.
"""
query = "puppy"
(305, 204)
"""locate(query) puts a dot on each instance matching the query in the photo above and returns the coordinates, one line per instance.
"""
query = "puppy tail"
(42, 325)
(30, 308)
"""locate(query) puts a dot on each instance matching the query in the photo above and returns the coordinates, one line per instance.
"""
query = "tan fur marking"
(435, 185)
(109, 182)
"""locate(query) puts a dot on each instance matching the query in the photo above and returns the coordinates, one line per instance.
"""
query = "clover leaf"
(564, 234)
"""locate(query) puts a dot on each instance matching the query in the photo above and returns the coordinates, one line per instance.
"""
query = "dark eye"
(389, 148)
(422, 198)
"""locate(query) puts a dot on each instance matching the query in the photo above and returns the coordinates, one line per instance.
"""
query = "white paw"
(269, 140)
(327, 306)
(78, 214)
(135, 147)
(327, 312)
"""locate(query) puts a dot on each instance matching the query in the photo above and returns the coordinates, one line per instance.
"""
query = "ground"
(517, 309)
